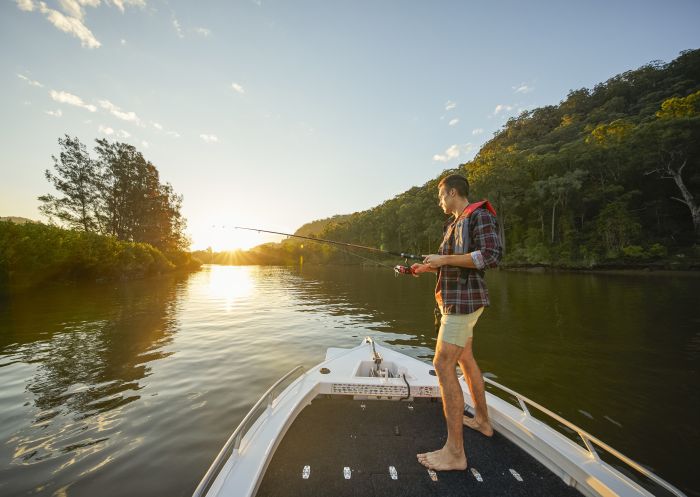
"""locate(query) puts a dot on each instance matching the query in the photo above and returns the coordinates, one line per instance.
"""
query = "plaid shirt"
(478, 235)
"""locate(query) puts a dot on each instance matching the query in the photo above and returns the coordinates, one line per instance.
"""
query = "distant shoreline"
(641, 269)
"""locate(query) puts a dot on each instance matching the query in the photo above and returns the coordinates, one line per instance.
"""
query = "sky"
(275, 113)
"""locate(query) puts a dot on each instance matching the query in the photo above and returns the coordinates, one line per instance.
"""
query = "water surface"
(132, 388)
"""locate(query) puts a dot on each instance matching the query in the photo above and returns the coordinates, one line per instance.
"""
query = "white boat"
(353, 424)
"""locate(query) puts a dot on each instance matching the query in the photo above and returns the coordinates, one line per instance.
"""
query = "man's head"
(452, 192)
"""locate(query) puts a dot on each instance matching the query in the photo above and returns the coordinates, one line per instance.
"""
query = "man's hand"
(434, 261)
(419, 268)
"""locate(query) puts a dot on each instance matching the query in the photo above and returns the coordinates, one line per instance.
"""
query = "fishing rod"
(399, 269)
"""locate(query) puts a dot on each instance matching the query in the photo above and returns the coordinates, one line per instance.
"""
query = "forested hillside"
(610, 173)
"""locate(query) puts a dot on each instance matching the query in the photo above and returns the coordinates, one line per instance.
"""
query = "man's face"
(446, 198)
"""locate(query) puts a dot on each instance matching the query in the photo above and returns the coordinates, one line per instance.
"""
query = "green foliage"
(633, 252)
(76, 179)
(118, 193)
(34, 253)
(676, 107)
(573, 183)
(657, 250)
(582, 183)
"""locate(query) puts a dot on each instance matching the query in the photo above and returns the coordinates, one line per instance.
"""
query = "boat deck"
(370, 436)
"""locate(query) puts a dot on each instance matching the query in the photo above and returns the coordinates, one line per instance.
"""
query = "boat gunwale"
(587, 439)
(233, 443)
(577, 459)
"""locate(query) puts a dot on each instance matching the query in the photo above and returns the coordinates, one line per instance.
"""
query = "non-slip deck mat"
(334, 433)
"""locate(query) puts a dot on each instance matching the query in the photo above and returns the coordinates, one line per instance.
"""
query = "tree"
(616, 226)
(118, 194)
(76, 179)
(556, 189)
(673, 140)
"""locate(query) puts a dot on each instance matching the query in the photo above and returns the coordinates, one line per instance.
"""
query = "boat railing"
(590, 442)
(233, 443)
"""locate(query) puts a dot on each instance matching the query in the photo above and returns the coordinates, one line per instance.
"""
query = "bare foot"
(481, 426)
(443, 460)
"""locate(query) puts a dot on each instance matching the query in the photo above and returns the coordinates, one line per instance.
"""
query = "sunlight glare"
(230, 284)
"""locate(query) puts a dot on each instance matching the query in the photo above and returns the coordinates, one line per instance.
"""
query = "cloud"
(523, 88)
(72, 8)
(178, 27)
(209, 138)
(202, 31)
(123, 134)
(120, 4)
(30, 81)
(449, 105)
(144, 144)
(122, 41)
(160, 127)
(453, 122)
(502, 107)
(119, 113)
(70, 99)
(477, 131)
(55, 113)
(71, 25)
(105, 130)
(72, 14)
(237, 88)
(26, 5)
(453, 152)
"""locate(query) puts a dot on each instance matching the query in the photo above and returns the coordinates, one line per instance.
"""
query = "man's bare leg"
(451, 456)
(475, 381)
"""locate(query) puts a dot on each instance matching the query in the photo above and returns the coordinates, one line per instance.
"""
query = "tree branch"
(681, 201)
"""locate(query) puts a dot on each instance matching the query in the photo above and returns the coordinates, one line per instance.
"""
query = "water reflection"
(231, 284)
(82, 354)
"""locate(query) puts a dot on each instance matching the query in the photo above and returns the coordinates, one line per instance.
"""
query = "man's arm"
(460, 260)
(488, 246)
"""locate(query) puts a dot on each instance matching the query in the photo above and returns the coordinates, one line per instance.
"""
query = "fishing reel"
(401, 269)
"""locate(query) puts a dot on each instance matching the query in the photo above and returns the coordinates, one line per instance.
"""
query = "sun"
(222, 238)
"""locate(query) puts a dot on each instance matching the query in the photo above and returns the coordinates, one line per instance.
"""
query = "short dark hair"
(456, 181)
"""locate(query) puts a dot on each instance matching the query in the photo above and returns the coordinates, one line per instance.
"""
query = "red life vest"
(474, 206)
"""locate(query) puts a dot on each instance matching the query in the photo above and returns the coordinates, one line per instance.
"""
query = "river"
(132, 388)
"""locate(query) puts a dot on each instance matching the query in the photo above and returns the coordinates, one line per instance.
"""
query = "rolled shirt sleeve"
(487, 242)
(478, 259)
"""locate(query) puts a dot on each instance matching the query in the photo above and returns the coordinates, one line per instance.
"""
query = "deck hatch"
(384, 390)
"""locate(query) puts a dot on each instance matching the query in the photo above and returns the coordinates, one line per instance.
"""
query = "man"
(470, 244)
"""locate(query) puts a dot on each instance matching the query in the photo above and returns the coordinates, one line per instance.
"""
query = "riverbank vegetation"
(608, 177)
(33, 253)
(112, 218)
